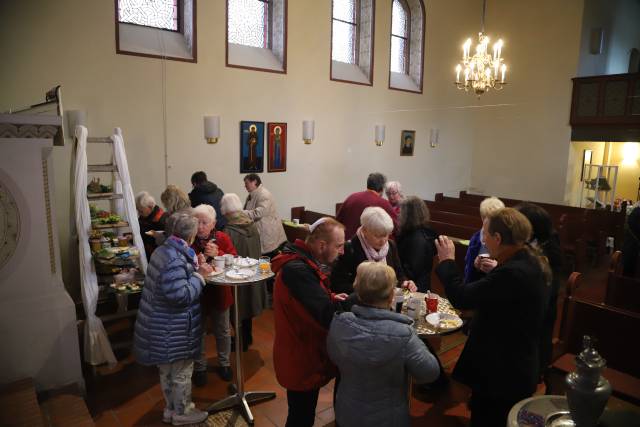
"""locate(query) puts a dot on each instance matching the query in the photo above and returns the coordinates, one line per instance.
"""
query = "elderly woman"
(545, 240)
(500, 360)
(246, 239)
(216, 300)
(476, 262)
(151, 217)
(415, 242)
(168, 329)
(393, 190)
(174, 199)
(371, 243)
(376, 350)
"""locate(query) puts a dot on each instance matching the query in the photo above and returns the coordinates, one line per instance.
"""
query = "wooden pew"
(306, 216)
(614, 331)
(622, 292)
(452, 207)
(454, 230)
(457, 219)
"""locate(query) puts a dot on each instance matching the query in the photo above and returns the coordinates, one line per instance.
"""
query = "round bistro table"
(241, 398)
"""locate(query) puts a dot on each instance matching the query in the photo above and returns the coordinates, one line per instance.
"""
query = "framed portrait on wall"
(407, 142)
(251, 147)
(277, 147)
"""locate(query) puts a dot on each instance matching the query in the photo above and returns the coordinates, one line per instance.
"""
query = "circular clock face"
(9, 225)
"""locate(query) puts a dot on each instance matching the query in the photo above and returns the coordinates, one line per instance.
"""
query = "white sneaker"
(191, 416)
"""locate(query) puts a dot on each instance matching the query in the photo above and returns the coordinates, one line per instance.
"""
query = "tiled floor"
(130, 394)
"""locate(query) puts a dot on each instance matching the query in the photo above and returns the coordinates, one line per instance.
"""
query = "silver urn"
(587, 390)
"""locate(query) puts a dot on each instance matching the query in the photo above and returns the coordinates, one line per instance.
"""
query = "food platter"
(444, 322)
(245, 262)
(215, 272)
(240, 274)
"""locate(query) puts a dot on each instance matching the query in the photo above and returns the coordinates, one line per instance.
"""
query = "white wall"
(619, 20)
(515, 148)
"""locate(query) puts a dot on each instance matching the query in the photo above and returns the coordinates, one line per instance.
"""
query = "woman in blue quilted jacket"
(168, 329)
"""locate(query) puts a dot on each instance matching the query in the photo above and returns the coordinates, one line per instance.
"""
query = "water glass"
(264, 264)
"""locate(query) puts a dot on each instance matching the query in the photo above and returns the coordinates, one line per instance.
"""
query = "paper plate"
(444, 322)
(241, 274)
(215, 272)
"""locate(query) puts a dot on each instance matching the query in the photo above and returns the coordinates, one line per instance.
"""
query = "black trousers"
(302, 408)
(488, 411)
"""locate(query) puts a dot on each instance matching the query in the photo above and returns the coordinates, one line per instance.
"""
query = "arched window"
(407, 45)
(400, 24)
(256, 34)
(157, 28)
(352, 23)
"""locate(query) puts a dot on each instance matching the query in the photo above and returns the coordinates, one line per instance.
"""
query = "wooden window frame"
(358, 17)
(269, 35)
(180, 30)
(424, 24)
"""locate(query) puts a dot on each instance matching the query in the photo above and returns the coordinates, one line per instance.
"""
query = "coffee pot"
(588, 391)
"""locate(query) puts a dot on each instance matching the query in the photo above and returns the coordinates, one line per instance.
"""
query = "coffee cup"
(218, 262)
(296, 221)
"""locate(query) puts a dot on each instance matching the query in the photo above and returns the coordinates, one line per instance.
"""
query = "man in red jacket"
(356, 203)
(303, 309)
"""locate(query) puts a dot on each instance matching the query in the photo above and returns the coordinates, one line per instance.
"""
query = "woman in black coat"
(371, 243)
(415, 242)
(500, 360)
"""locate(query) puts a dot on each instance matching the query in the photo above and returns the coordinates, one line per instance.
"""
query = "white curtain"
(129, 202)
(97, 349)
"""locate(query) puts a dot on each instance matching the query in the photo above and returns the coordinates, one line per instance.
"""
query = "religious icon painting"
(407, 141)
(251, 147)
(277, 147)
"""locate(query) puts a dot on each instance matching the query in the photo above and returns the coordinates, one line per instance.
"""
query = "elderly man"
(355, 204)
(151, 217)
(303, 309)
(393, 190)
(207, 193)
(261, 208)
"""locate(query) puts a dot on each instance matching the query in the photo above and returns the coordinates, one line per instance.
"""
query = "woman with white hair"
(216, 300)
(393, 190)
(151, 217)
(246, 239)
(477, 262)
(371, 243)
(168, 330)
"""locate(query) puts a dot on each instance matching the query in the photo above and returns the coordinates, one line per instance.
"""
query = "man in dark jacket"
(207, 193)
(303, 308)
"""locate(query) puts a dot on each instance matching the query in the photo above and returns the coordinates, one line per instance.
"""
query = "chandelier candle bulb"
(504, 70)
(458, 69)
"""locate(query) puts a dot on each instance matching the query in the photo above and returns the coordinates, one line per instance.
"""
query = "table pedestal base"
(243, 400)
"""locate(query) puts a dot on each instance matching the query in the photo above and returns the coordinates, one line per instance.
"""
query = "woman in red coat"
(215, 300)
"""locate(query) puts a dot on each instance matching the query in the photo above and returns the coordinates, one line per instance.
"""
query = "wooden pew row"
(306, 216)
(457, 219)
(614, 331)
(459, 231)
(453, 208)
(622, 292)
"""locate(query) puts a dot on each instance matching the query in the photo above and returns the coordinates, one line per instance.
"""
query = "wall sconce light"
(308, 128)
(380, 135)
(211, 129)
(75, 118)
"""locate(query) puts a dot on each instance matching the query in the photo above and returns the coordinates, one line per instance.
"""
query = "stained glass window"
(399, 37)
(345, 31)
(248, 22)
(150, 13)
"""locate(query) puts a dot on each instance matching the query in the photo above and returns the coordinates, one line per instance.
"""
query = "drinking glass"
(264, 264)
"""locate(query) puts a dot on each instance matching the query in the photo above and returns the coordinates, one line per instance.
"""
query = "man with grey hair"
(355, 204)
(151, 217)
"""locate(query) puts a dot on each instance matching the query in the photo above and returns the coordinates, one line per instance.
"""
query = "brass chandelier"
(482, 71)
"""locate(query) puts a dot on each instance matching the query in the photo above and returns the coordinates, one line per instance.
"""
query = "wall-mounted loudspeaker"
(596, 42)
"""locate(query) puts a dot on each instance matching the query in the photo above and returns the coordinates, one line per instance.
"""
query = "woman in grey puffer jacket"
(376, 350)
(168, 329)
